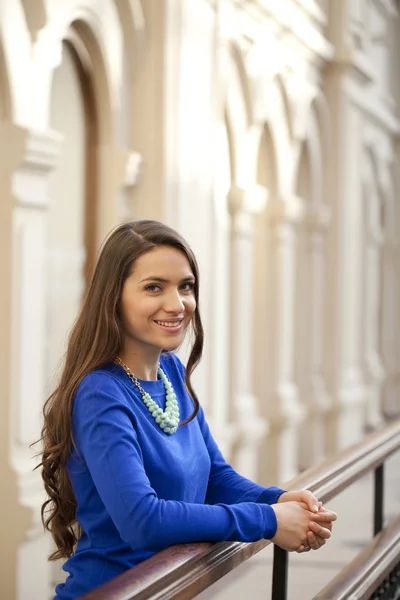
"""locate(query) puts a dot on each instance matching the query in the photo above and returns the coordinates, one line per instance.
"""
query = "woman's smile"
(173, 326)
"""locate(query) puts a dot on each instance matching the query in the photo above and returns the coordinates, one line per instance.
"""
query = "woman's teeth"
(169, 323)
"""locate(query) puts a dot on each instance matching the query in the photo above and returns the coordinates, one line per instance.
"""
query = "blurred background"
(267, 133)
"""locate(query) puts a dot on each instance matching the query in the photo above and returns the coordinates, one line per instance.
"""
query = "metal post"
(378, 498)
(280, 574)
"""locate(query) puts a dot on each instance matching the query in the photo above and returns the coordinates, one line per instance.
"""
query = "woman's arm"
(107, 442)
(225, 484)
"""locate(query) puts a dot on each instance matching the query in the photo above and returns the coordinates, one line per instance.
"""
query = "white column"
(250, 427)
(343, 364)
(283, 407)
(28, 392)
(187, 144)
(310, 344)
(374, 371)
(391, 329)
(16, 516)
(220, 318)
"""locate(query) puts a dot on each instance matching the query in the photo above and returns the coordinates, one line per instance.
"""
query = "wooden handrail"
(369, 568)
(334, 475)
(183, 571)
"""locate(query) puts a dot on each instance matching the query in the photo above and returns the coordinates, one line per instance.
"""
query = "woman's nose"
(174, 302)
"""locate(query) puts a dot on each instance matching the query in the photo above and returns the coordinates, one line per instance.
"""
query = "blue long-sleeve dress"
(140, 490)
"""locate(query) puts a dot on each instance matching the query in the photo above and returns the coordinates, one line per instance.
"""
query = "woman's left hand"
(302, 496)
(314, 540)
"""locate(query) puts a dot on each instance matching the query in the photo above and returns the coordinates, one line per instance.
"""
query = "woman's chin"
(171, 345)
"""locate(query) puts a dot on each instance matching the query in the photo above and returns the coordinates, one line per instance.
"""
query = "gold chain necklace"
(167, 419)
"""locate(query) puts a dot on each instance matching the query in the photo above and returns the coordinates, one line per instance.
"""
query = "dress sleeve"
(107, 443)
(225, 484)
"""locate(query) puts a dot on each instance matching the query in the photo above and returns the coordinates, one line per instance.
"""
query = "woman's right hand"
(294, 521)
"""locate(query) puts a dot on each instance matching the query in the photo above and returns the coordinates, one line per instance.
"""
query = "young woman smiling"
(129, 463)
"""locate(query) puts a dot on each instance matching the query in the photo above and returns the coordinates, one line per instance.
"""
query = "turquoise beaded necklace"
(167, 419)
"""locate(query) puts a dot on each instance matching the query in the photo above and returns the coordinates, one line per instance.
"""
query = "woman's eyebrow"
(162, 280)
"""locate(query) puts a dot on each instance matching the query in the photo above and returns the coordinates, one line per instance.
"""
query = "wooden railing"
(181, 572)
(373, 568)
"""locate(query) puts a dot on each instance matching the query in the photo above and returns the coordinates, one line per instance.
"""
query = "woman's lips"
(170, 326)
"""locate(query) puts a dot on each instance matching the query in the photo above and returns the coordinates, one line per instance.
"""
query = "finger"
(311, 500)
(302, 549)
(326, 524)
(312, 540)
(321, 540)
(315, 541)
(326, 515)
(321, 531)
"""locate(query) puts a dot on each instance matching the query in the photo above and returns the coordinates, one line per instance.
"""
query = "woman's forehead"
(163, 262)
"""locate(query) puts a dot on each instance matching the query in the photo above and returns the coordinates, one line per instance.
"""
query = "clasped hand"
(303, 523)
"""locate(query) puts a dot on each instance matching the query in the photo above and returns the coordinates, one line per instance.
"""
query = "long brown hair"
(95, 340)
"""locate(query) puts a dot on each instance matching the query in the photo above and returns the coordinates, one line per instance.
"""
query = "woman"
(129, 463)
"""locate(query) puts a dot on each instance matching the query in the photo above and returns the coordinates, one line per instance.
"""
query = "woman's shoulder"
(104, 379)
(98, 392)
(171, 361)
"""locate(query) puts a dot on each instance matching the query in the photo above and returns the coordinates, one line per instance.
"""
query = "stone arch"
(266, 166)
(304, 183)
(238, 61)
(321, 113)
(275, 116)
(15, 42)
(133, 28)
(279, 82)
(101, 49)
(133, 25)
(35, 15)
(81, 28)
(98, 130)
(6, 109)
(310, 176)
(92, 66)
(236, 113)
(230, 143)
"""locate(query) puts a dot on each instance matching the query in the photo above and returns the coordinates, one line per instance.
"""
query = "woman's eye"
(152, 288)
(187, 287)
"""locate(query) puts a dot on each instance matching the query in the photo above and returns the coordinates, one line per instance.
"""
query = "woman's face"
(157, 301)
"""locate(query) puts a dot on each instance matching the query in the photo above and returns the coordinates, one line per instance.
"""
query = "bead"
(168, 420)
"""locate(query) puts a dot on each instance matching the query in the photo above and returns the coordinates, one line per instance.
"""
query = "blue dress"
(140, 490)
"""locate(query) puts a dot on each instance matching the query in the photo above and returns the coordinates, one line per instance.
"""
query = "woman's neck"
(144, 367)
